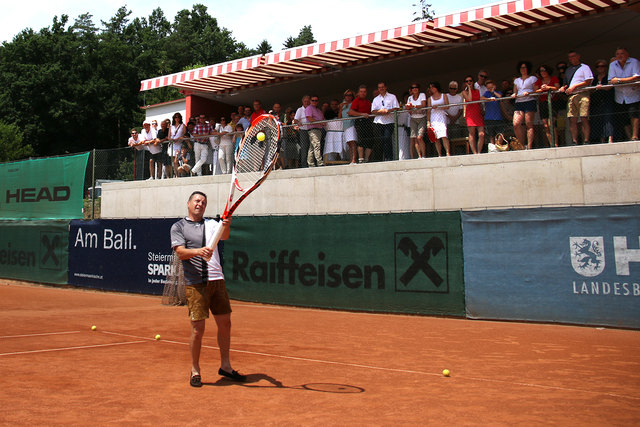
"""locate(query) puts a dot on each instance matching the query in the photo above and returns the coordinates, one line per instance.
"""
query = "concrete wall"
(604, 174)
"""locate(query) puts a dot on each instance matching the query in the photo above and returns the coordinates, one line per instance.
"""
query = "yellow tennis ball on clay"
(261, 136)
(158, 336)
(446, 373)
(94, 327)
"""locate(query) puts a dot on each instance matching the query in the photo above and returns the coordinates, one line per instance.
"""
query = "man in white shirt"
(150, 139)
(481, 83)
(626, 70)
(300, 119)
(576, 77)
(382, 108)
(214, 142)
(454, 112)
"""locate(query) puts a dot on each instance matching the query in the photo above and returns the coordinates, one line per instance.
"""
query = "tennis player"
(205, 287)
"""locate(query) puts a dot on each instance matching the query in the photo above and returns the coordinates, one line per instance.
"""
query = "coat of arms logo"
(587, 255)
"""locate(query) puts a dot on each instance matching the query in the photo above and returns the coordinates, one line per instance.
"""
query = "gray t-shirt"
(191, 234)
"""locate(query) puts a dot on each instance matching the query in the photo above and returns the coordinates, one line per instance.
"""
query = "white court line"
(46, 350)
(404, 371)
(40, 335)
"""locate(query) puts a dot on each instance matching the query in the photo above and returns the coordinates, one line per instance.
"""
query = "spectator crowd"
(599, 105)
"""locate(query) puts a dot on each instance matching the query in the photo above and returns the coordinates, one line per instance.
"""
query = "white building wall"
(166, 110)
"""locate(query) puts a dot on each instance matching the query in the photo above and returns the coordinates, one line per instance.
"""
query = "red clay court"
(305, 366)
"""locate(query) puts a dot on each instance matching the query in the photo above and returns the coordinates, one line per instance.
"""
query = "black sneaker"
(234, 375)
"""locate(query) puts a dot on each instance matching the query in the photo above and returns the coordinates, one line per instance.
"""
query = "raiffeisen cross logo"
(421, 262)
(50, 247)
(587, 255)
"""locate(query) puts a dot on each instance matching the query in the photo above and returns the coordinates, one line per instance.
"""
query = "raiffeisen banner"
(403, 263)
(48, 188)
(34, 250)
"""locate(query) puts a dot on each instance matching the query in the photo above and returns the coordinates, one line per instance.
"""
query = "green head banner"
(47, 188)
(403, 263)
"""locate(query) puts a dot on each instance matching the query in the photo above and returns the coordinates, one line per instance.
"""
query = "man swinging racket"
(205, 289)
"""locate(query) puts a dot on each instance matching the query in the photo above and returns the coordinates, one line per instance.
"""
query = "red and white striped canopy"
(448, 30)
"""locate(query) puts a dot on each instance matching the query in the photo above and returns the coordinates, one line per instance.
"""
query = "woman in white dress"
(225, 151)
(333, 140)
(437, 116)
(177, 130)
(349, 130)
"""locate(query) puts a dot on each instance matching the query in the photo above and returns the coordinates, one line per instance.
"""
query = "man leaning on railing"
(627, 70)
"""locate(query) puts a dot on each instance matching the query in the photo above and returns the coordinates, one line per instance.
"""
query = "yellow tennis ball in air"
(158, 336)
(94, 327)
(446, 372)
(261, 136)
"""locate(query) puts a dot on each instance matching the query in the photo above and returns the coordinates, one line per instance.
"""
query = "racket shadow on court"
(253, 380)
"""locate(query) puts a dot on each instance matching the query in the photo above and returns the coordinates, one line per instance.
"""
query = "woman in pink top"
(473, 115)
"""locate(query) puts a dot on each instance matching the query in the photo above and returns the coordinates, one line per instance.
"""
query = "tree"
(264, 47)
(305, 36)
(11, 146)
(242, 51)
(424, 13)
(197, 38)
(40, 82)
(74, 87)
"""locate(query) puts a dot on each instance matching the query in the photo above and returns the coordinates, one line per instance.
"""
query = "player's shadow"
(253, 380)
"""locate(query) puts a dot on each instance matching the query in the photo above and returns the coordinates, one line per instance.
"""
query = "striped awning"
(444, 31)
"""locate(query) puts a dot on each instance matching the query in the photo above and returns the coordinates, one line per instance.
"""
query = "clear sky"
(250, 21)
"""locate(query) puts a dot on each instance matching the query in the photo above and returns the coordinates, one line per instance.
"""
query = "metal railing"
(605, 122)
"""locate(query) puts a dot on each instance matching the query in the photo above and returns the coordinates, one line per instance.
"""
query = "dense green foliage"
(11, 143)
(75, 86)
(304, 37)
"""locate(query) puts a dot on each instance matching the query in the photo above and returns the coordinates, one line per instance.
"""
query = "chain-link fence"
(453, 127)
(484, 124)
(108, 165)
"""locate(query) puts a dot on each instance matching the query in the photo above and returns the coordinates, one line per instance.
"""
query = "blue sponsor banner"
(120, 254)
(572, 265)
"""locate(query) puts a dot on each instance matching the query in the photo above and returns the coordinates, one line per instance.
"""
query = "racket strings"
(256, 156)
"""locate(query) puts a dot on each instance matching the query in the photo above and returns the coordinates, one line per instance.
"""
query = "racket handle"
(216, 237)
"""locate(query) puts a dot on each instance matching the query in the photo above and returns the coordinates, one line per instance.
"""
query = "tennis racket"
(255, 158)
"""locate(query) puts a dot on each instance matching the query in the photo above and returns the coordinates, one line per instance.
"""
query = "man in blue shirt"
(245, 121)
(627, 70)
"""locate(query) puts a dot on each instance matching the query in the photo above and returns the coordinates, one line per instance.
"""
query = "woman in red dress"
(473, 115)
(545, 83)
